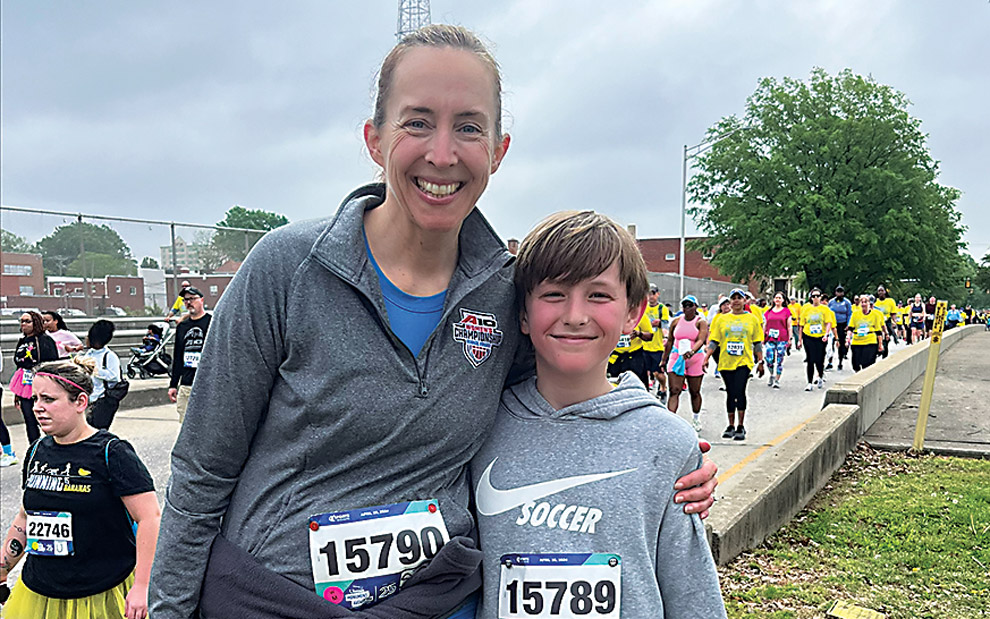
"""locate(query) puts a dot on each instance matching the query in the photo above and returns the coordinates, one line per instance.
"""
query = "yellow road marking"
(756, 454)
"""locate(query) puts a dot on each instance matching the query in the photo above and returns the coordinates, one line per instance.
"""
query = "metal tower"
(413, 14)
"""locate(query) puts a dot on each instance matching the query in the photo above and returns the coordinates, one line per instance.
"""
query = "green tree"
(235, 244)
(210, 257)
(61, 248)
(829, 177)
(101, 265)
(14, 244)
(149, 263)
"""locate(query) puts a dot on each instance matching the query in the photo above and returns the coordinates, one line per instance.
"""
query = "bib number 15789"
(553, 586)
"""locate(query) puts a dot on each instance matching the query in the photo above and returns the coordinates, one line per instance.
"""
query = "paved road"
(772, 415)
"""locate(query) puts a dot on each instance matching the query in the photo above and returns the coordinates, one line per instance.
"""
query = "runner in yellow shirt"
(795, 307)
(888, 306)
(653, 349)
(629, 355)
(740, 336)
(865, 324)
(815, 324)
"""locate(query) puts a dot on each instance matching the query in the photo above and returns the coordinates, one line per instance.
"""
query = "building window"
(213, 291)
(93, 291)
(27, 290)
(670, 257)
(133, 291)
(78, 289)
(118, 289)
(57, 292)
(17, 269)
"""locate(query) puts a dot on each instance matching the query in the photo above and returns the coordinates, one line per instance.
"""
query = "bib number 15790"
(408, 547)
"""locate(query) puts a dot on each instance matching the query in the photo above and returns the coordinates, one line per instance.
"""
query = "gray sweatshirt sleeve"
(242, 353)
(685, 568)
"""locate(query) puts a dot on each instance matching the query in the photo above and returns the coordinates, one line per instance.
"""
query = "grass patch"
(903, 535)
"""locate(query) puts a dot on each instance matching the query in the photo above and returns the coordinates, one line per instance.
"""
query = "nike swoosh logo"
(491, 501)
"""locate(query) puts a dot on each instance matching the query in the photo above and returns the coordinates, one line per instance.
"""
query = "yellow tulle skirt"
(26, 604)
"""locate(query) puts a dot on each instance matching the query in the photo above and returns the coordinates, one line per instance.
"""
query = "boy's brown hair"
(571, 246)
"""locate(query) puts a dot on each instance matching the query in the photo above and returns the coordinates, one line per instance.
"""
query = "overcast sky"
(178, 110)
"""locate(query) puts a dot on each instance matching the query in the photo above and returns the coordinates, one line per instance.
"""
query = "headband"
(63, 379)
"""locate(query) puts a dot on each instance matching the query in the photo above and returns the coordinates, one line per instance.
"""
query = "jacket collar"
(341, 248)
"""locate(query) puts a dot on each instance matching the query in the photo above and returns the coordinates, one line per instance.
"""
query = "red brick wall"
(10, 285)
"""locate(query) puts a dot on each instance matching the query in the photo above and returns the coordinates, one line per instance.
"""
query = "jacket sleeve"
(685, 568)
(243, 350)
(177, 352)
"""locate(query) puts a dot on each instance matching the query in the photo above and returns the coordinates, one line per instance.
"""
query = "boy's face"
(574, 328)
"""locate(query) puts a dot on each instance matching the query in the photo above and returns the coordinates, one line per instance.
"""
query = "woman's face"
(738, 303)
(917, 298)
(27, 325)
(56, 413)
(778, 300)
(437, 144)
(690, 309)
(864, 304)
(49, 323)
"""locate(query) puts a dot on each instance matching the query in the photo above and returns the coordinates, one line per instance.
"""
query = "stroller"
(155, 362)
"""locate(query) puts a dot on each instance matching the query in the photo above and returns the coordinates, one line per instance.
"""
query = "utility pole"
(413, 15)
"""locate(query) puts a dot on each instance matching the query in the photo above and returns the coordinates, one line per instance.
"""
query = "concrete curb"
(779, 483)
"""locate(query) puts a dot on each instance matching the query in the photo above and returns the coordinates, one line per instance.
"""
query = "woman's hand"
(136, 603)
(698, 487)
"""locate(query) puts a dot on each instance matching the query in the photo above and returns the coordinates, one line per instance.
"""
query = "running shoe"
(821, 383)
(840, 366)
(663, 397)
(776, 383)
(828, 368)
(810, 387)
(740, 434)
(8, 460)
(729, 432)
(770, 382)
(696, 424)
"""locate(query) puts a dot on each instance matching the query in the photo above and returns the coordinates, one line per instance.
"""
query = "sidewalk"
(959, 418)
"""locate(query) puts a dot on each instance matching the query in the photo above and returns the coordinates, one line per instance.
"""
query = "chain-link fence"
(98, 265)
(706, 290)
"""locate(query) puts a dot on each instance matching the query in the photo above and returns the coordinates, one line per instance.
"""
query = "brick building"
(123, 291)
(22, 275)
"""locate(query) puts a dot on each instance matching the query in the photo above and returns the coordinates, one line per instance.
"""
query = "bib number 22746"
(561, 586)
(362, 556)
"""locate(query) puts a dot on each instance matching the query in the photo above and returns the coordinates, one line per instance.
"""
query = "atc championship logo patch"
(479, 333)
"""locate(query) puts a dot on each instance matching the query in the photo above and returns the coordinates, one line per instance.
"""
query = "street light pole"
(692, 152)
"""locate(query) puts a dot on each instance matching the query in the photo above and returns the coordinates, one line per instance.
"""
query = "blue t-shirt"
(412, 318)
(842, 310)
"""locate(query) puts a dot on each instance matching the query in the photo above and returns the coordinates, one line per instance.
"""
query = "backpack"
(117, 390)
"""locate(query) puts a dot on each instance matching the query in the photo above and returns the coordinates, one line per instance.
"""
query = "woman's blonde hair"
(74, 375)
(436, 35)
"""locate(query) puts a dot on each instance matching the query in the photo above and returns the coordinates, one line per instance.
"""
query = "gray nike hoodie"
(594, 477)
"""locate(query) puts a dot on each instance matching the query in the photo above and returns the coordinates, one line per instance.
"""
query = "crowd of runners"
(742, 335)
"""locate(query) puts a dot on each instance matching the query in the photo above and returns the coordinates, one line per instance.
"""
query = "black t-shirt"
(190, 336)
(930, 309)
(76, 479)
(34, 349)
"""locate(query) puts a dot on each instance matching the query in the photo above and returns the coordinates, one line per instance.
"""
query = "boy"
(575, 512)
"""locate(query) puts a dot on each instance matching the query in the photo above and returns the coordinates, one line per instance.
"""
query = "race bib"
(862, 330)
(625, 341)
(560, 585)
(773, 333)
(683, 346)
(735, 348)
(815, 329)
(49, 534)
(362, 556)
(191, 359)
(27, 378)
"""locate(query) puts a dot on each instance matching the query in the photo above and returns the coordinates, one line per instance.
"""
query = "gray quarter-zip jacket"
(595, 477)
(305, 401)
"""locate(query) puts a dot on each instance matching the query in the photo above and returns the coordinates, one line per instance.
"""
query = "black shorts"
(929, 323)
(653, 358)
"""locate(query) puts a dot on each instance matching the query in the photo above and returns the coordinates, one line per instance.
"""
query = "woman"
(918, 319)
(715, 315)
(740, 336)
(33, 348)
(865, 325)
(103, 406)
(777, 326)
(383, 399)
(89, 479)
(65, 341)
(930, 308)
(686, 338)
(816, 321)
